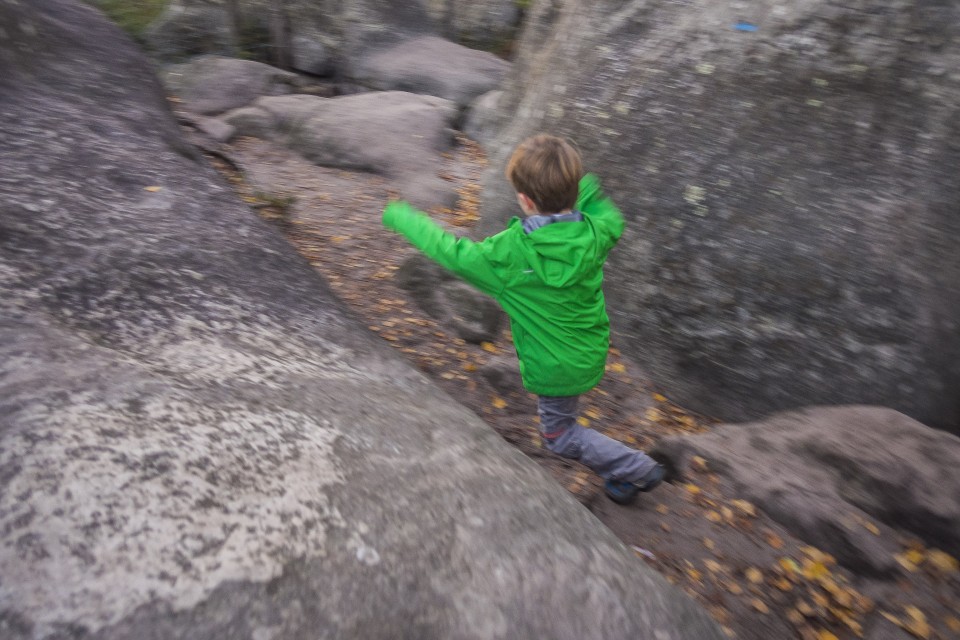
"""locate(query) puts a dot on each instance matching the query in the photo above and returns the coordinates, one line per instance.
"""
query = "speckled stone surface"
(198, 441)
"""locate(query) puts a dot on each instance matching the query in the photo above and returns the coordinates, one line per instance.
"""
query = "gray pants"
(609, 459)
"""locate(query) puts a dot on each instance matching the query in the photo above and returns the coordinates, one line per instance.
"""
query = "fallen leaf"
(727, 513)
(662, 509)
(774, 540)
(823, 634)
(592, 413)
(665, 527)
(713, 566)
(953, 623)
(659, 397)
(152, 189)
(653, 414)
(805, 608)
(499, 402)
(795, 617)
(489, 347)
(692, 488)
(709, 544)
(783, 584)
(617, 367)
(759, 605)
(698, 463)
(695, 575)
(583, 422)
(872, 528)
(747, 507)
(754, 575)
(917, 625)
(714, 517)
(733, 588)
(943, 561)
(789, 565)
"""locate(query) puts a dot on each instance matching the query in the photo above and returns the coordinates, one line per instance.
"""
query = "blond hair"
(546, 169)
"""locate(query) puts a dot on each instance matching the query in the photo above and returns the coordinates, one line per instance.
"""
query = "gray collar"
(533, 223)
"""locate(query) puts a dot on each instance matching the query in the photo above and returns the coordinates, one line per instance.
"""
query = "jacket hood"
(562, 253)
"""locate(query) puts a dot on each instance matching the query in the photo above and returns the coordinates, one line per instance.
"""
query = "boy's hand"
(395, 210)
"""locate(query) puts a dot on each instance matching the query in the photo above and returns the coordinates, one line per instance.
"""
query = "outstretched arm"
(593, 202)
(462, 256)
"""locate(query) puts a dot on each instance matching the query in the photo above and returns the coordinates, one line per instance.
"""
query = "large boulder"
(197, 441)
(788, 174)
(399, 135)
(214, 84)
(835, 476)
(431, 65)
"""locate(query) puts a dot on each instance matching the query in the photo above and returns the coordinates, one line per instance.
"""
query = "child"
(546, 271)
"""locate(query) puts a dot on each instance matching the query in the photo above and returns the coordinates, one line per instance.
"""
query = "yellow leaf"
(747, 507)
(795, 617)
(714, 517)
(489, 347)
(943, 561)
(712, 565)
(917, 625)
(789, 565)
(592, 413)
(953, 623)
(692, 488)
(759, 605)
(805, 608)
(653, 414)
(659, 398)
(663, 509)
(469, 366)
(698, 463)
(695, 575)
(499, 402)
(733, 588)
(783, 584)
(709, 544)
(754, 575)
(872, 528)
(583, 422)
(152, 189)
(813, 570)
(617, 367)
(774, 540)
(727, 513)
(823, 634)
(904, 561)
(892, 618)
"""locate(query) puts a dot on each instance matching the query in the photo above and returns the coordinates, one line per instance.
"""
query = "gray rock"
(197, 441)
(483, 118)
(395, 134)
(433, 66)
(213, 84)
(217, 129)
(824, 473)
(310, 55)
(469, 314)
(790, 192)
(251, 121)
(503, 374)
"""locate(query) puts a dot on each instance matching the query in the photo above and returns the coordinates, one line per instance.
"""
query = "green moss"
(132, 16)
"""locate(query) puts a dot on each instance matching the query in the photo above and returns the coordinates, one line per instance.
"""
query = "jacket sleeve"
(468, 259)
(601, 209)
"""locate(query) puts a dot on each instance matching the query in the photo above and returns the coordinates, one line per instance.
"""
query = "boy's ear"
(526, 203)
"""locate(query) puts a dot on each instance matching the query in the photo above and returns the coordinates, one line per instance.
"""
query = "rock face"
(830, 474)
(789, 186)
(196, 442)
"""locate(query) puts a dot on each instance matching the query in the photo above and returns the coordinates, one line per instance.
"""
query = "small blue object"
(745, 26)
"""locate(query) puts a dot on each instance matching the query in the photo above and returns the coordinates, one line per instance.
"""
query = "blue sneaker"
(625, 492)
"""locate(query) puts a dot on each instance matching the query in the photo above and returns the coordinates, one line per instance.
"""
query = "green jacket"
(549, 281)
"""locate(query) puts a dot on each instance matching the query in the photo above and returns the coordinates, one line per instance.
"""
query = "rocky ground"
(753, 577)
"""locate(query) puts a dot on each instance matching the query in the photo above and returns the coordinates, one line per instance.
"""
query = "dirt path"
(756, 580)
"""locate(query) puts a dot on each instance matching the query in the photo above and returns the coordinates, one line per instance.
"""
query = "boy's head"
(545, 171)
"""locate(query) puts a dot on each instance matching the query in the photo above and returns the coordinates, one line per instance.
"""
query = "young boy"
(546, 271)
